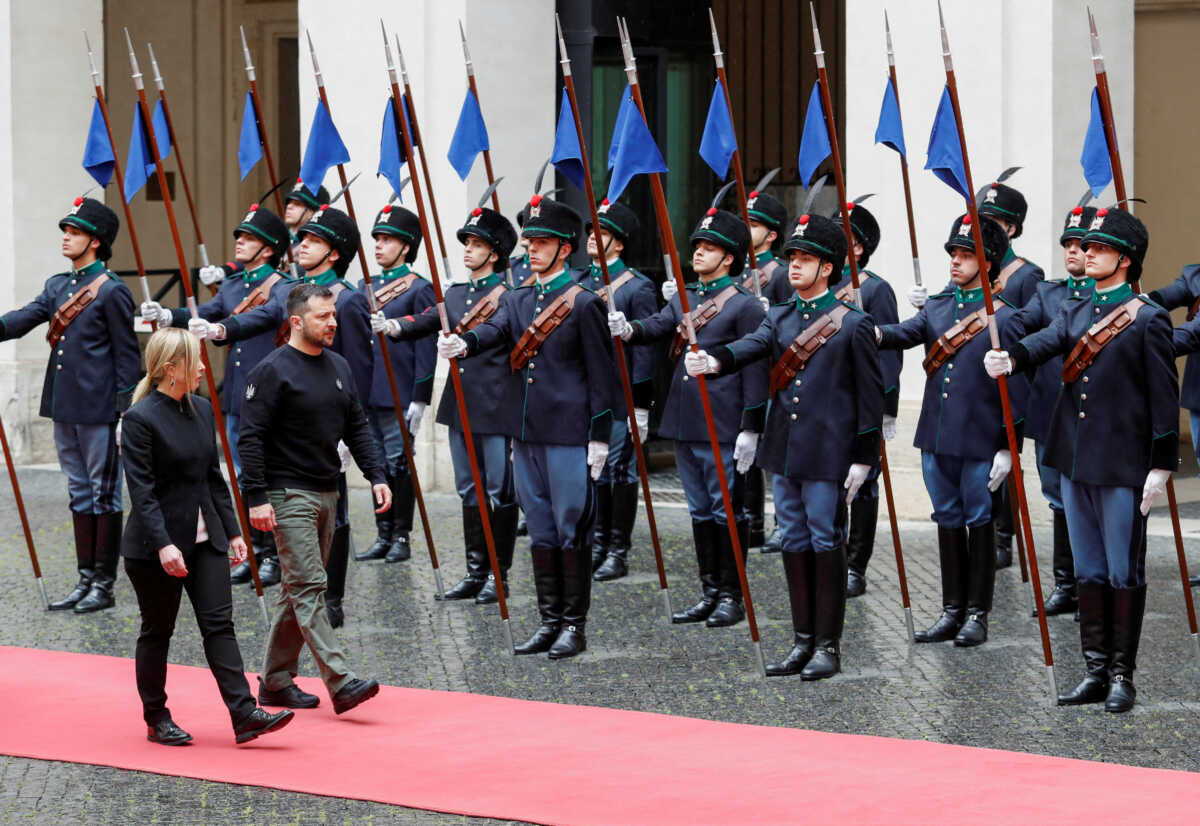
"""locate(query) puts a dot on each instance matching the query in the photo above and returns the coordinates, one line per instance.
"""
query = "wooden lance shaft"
(218, 417)
(261, 124)
(672, 253)
(487, 153)
(16, 486)
(908, 204)
(618, 345)
(384, 351)
(455, 378)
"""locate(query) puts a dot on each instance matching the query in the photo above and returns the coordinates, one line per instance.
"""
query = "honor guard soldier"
(398, 292)
(878, 300)
(961, 432)
(494, 395)
(261, 240)
(563, 353)
(1187, 341)
(328, 243)
(300, 205)
(722, 312)
(1120, 389)
(823, 432)
(94, 365)
(1038, 314)
(634, 295)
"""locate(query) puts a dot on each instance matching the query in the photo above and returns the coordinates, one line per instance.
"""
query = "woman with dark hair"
(181, 524)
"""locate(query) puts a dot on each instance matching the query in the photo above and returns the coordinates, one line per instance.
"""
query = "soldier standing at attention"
(94, 365)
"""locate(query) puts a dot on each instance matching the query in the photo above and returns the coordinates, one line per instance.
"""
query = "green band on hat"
(392, 230)
(253, 230)
(1120, 242)
(986, 208)
(75, 220)
(728, 241)
(315, 228)
(604, 219)
(763, 218)
(818, 247)
(528, 233)
(304, 198)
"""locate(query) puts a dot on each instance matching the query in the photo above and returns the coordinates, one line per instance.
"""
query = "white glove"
(997, 363)
(1001, 465)
(1156, 486)
(744, 449)
(765, 302)
(699, 363)
(202, 330)
(889, 428)
(669, 290)
(412, 419)
(917, 297)
(451, 346)
(343, 455)
(618, 326)
(153, 313)
(597, 455)
(211, 275)
(641, 418)
(854, 481)
(379, 323)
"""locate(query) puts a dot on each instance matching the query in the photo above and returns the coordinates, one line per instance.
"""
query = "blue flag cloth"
(98, 157)
(1097, 166)
(633, 149)
(249, 144)
(814, 141)
(622, 113)
(324, 149)
(567, 156)
(162, 135)
(139, 164)
(944, 157)
(719, 141)
(470, 137)
(890, 131)
(391, 154)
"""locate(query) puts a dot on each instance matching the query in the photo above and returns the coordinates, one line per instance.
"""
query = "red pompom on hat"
(299, 180)
(711, 211)
(849, 206)
(253, 207)
(477, 211)
(535, 200)
(78, 201)
(753, 194)
(966, 220)
(324, 207)
(387, 208)
(605, 202)
(1077, 210)
(1102, 211)
(803, 219)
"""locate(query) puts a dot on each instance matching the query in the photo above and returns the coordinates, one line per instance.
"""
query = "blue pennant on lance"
(633, 150)
(391, 153)
(814, 141)
(470, 137)
(945, 158)
(1097, 166)
(567, 156)
(139, 163)
(890, 130)
(719, 141)
(98, 157)
(324, 149)
(250, 149)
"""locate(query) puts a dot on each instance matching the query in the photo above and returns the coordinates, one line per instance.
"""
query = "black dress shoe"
(400, 551)
(541, 641)
(795, 660)
(333, 610)
(99, 597)
(1091, 689)
(571, 641)
(943, 630)
(773, 543)
(1004, 558)
(77, 593)
(1121, 694)
(261, 722)
(167, 733)
(973, 632)
(1194, 581)
(697, 613)
(487, 594)
(856, 584)
(1061, 601)
(379, 549)
(825, 663)
(240, 573)
(354, 693)
(728, 612)
(467, 588)
(290, 696)
(268, 570)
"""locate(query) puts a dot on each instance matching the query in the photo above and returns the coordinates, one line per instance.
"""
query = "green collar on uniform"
(557, 282)
(325, 279)
(395, 272)
(484, 283)
(614, 269)
(819, 304)
(1009, 257)
(1114, 296)
(90, 269)
(257, 274)
(293, 237)
(763, 258)
(1084, 283)
(716, 284)
(967, 296)
(862, 274)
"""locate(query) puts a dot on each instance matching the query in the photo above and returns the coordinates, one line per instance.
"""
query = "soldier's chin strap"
(554, 260)
(403, 252)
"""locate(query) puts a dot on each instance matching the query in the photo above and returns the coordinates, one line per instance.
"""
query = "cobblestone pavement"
(995, 696)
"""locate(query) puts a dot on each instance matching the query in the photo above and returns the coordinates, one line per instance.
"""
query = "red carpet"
(552, 763)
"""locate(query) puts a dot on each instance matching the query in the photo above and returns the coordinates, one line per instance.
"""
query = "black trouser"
(208, 588)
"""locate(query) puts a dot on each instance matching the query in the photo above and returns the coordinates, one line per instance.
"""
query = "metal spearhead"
(342, 191)
(466, 52)
(316, 66)
(137, 73)
(91, 59)
(1097, 57)
(487, 193)
(887, 30)
(387, 50)
(946, 58)
(246, 54)
(716, 202)
(813, 191)
(718, 55)
(627, 51)
(817, 50)
(400, 57)
(766, 179)
(158, 81)
(563, 60)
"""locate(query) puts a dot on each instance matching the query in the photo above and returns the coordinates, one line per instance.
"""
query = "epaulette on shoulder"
(948, 294)
(850, 305)
(1004, 300)
(1150, 302)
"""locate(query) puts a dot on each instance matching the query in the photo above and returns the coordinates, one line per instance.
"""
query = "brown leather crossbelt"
(951, 341)
(484, 309)
(805, 346)
(765, 274)
(259, 295)
(703, 314)
(394, 290)
(546, 322)
(1098, 336)
(1002, 279)
(70, 310)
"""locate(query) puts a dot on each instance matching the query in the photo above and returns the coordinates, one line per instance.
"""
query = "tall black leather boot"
(504, 535)
(864, 513)
(1094, 639)
(269, 572)
(798, 568)
(107, 552)
(729, 610)
(755, 499)
(829, 614)
(335, 573)
(576, 600)
(981, 584)
(476, 553)
(403, 503)
(1128, 608)
(624, 513)
(952, 554)
(1003, 520)
(1063, 599)
(85, 560)
(550, 604)
(384, 527)
(602, 528)
(704, 538)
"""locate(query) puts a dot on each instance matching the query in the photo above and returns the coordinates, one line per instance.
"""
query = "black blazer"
(169, 451)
